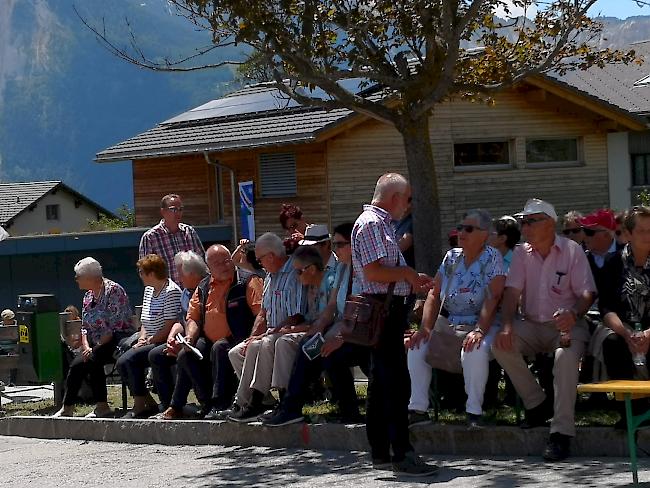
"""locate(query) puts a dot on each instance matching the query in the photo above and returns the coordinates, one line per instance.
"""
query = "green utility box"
(41, 355)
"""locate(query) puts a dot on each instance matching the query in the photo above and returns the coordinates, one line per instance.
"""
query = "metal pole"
(232, 191)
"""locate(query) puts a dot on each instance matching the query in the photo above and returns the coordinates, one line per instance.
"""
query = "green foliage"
(126, 219)
(644, 198)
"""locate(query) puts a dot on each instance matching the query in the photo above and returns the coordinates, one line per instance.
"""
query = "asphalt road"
(63, 463)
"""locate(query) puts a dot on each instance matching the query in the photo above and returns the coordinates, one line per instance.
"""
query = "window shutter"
(278, 175)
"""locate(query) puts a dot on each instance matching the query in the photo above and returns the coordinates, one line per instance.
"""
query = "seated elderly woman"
(624, 302)
(470, 283)
(191, 270)
(106, 319)
(161, 304)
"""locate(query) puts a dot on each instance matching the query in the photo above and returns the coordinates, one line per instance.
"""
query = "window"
(278, 175)
(552, 151)
(52, 212)
(481, 154)
(640, 169)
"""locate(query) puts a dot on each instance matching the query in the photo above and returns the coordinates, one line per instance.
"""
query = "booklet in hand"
(313, 345)
(181, 340)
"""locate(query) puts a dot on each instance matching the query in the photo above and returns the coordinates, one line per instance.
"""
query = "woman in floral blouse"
(106, 319)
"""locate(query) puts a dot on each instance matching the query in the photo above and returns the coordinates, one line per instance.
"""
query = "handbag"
(443, 350)
(364, 316)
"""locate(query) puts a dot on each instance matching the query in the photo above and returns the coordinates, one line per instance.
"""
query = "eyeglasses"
(302, 270)
(577, 230)
(467, 228)
(591, 232)
(531, 220)
(340, 244)
(259, 259)
(176, 209)
(77, 277)
(223, 263)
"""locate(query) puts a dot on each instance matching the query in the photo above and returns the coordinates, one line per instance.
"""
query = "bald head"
(219, 262)
(387, 186)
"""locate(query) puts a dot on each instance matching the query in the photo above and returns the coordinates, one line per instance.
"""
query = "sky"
(613, 8)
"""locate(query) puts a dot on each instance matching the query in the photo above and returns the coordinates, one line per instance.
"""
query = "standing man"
(377, 261)
(170, 236)
(551, 276)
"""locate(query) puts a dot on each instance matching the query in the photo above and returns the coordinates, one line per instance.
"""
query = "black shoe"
(217, 414)
(282, 417)
(246, 414)
(557, 448)
(537, 416)
(382, 464)
(418, 418)
(413, 465)
(474, 422)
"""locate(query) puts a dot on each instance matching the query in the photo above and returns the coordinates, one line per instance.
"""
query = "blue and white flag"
(246, 202)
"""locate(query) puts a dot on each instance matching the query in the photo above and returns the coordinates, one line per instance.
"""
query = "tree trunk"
(427, 231)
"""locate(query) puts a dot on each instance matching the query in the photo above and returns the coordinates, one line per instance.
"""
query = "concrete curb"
(430, 439)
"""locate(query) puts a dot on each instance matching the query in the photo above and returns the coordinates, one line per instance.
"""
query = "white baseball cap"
(537, 206)
(7, 314)
(314, 234)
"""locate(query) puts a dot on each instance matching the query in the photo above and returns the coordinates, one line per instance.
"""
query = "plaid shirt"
(373, 239)
(166, 244)
(283, 296)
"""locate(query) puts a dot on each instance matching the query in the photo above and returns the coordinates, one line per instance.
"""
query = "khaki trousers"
(254, 368)
(286, 348)
(531, 338)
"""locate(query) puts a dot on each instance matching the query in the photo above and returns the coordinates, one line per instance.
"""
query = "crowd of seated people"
(232, 326)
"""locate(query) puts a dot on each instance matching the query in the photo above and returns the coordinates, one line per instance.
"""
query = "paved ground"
(26, 393)
(63, 463)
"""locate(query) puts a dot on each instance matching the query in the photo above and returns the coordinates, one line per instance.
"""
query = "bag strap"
(350, 280)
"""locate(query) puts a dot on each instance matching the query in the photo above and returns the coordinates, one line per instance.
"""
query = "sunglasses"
(591, 232)
(467, 228)
(577, 230)
(531, 220)
(175, 209)
(340, 244)
(302, 270)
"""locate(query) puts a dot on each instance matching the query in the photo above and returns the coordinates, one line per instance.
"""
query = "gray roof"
(244, 130)
(615, 83)
(16, 198)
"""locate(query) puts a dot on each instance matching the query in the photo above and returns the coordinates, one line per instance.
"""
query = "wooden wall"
(357, 158)
(188, 176)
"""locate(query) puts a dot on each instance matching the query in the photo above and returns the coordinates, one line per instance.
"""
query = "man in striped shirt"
(377, 262)
(170, 236)
(283, 307)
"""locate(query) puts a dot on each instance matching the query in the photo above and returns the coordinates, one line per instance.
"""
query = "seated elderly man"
(318, 235)
(220, 315)
(191, 270)
(282, 311)
(551, 276)
(599, 229)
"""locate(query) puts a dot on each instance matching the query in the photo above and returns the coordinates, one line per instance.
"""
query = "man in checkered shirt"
(377, 261)
(170, 236)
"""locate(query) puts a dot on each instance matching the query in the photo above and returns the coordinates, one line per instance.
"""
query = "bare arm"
(487, 314)
(405, 242)
(161, 336)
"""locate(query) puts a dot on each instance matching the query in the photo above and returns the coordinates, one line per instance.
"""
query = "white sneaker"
(101, 414)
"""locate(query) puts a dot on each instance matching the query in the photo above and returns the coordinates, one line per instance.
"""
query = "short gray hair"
(272, 243)
(387, 184)
(481, 216)
(89, 267)
(191, 263)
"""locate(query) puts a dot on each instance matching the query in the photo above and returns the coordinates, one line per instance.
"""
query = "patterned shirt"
(166, 244)
(550, 283)
(465, 289)
(157, 309)
(373, 239)
(283, 295)
(342, 283)
(318, 297)
(107, 313)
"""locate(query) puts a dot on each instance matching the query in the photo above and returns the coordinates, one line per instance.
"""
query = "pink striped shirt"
(373, 239)
(551, 283)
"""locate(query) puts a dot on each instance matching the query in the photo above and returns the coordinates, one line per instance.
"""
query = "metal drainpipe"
(232, 191)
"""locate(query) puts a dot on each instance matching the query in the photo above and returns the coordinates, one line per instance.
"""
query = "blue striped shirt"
(283, 296)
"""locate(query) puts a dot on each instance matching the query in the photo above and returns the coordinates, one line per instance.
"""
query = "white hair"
(89, 267)
(481, 216)
(387, 185)
(191, 263)
(272, 243)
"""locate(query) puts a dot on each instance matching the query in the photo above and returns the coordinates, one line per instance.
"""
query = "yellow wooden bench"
(626, 390)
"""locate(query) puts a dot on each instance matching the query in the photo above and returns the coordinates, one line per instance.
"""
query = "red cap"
(603, 218)
(453, 233)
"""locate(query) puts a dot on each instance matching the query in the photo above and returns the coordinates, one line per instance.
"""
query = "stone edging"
(433, 439)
